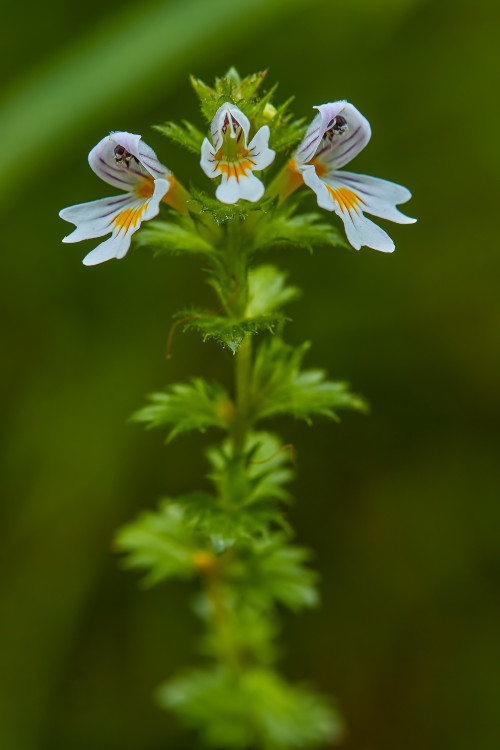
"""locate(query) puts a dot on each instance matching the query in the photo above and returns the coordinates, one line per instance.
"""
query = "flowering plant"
(235, 540)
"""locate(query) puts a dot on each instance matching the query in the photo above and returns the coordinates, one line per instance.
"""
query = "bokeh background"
(402, 507)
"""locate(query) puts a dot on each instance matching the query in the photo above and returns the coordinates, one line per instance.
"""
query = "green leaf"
(224, 526)
(256, 478)
(186, 135)
(207, 96)
(174, 237)
(161, 543)
(285, 131)
(255, 709)
(268, 290)
(274, 571)
(229, 332)
(188, 406)
(279, 386)
(303, 230)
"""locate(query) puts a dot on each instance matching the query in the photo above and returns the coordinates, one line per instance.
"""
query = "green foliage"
(183, 407)
(267, 290)
(179, 235)
(285, 130)
(186, 135)
(280, 386)
(229, 332)
(235, 539)
(303, 230)
(160, 543)
(250, 709)
(227, 88)
(223, 526)
(256, 478)
(272, 570)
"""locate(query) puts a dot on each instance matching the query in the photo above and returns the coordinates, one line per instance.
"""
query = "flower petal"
(336, 135)
(122, 216)
(250, 187)
(228, 191)
(94, 219)
(207, 162)
(227, 118)
(348, 135)
(324, 197)
(362, 231)
(259, 150)
(121, 159)
(379, 197)
(316, 131)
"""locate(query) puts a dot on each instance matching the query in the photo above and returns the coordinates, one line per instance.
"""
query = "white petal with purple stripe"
(123, 160)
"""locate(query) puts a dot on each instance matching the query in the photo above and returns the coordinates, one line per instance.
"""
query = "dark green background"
(402, 507)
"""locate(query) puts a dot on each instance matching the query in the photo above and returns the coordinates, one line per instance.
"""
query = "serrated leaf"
(186, 135)
(256, 478)
(207, 96)
(174, 237)
(303, 230)
(267, 290)
(182, 407)
(286, 132)
(223, 526)
(279, 386)
(228, 332)
(160, 543)
(258, 709)
(274, 571)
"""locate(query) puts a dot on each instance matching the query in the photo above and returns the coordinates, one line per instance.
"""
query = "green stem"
(243, 367)
(221, 623)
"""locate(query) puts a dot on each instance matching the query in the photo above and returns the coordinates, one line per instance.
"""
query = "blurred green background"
(402, 507)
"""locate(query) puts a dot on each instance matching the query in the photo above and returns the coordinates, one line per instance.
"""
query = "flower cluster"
(335, 136)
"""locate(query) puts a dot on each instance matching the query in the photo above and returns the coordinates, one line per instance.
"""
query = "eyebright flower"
(232, 158)
(126, 162)
(336, 135)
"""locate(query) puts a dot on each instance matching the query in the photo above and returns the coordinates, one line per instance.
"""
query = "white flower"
(336, 135)
(126, 162)
(230, 156)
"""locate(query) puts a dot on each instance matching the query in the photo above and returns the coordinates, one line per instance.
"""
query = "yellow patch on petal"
(236, 169)
(233, 159)
(146, 188)
(129, 218)
(320, 168)
(347, 199)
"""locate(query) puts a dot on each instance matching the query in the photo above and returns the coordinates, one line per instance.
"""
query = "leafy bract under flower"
(229, 155)
(126, 162)
(336, 135)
